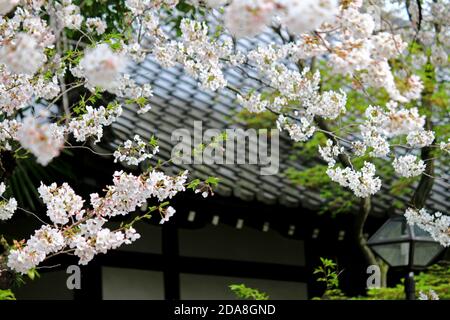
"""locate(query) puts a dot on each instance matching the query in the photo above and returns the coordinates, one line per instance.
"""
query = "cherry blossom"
(301, 16)
(437, 224)
(82, 229)
(330, 152)
(96, 25)
(431, 295)
(92, 122)
(363, 183)
(246, 18)
(69, 14)
(134, 151)
(169, 212)
(7, 5)
(45, 140)
(22, 55)
(102, 67)
(253, 102)
(420, 139)
(7, 207)
(62, 203)
(371, 53)
(408, 166)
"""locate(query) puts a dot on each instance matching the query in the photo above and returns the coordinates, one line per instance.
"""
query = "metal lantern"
(401, 245)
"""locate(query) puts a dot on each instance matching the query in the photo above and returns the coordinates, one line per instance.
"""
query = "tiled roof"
(178, 101)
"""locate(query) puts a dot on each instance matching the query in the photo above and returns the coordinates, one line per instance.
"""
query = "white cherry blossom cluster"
(46, 240)
(7, 5)
(96, 25)
(140, 6)
(36, 53)
(330, 152)
(386, 45)
(91, 123)
(290, 83)
(360, 49)
(252, 102)
(349, 57)
(246, 18)
(22, 55)
(374, 139)
(129, 89)
(134, 151)
(166, 214)
(383, 124)
(62, 203)
(18, 91)
(408, 166)
(7, 206)
(68, 14)
(129, 192)
(437, 224)
(354, 23)
(199, 54)
(330, 105)
(8, 132)
(420, 138)
(45, 141)
(363, 183)
(398, 121)
(102, 67)
(431, 295)
(445, 146)
(308, 46)
(301, 130)
(414, 88)
(82, 230)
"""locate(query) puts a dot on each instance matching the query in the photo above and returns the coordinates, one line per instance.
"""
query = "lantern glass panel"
(424, 252)
(395, 254)
(421, 233)
(393, 230)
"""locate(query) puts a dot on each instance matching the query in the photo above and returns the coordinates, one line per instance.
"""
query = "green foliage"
(436, 278)
(193, 184)
(212, 181)
(328, 273)
(262, 120)
(7, 295)
(243, 292)
(33, 274)
(314, 177)
(308, 150)
(337, 199)
(153, 142)
(114, 12)
(80, 107)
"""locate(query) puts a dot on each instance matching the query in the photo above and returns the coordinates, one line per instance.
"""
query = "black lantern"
(401, 245)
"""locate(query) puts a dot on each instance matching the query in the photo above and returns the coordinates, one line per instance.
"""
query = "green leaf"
(212, 181)
(244, 292)
(7, 295)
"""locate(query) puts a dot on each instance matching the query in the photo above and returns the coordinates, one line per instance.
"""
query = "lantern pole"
(410, 286)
